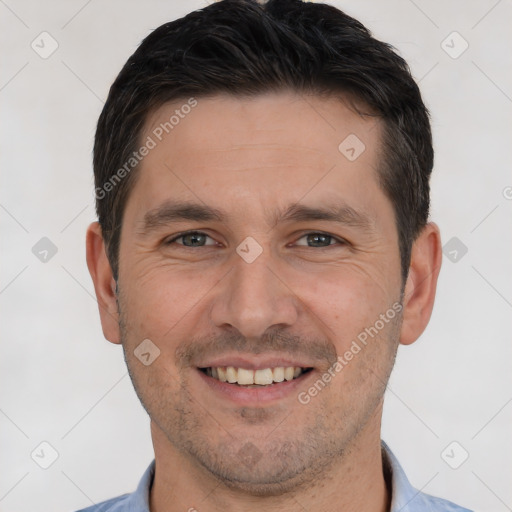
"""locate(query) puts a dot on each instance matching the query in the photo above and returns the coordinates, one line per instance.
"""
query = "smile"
(254, 378)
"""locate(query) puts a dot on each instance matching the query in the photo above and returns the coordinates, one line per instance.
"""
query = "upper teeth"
(247, 377)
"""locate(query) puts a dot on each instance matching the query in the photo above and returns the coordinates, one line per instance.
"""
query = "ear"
(104, 284)
(420, 287)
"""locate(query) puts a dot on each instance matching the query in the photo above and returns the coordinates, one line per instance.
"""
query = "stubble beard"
(279, 461)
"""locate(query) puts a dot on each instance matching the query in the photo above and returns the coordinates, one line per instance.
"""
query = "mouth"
(261, 378)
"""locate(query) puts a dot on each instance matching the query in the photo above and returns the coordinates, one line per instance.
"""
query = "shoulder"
(422, 501)
(119, 504)
(137, 501)
(406, 498)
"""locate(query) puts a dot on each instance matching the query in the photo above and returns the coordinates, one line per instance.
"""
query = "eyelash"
(340, 241)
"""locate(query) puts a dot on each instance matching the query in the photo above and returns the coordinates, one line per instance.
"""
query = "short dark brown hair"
(242, 48)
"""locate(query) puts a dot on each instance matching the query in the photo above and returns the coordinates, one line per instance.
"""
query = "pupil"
(323, 240)
(194, 238)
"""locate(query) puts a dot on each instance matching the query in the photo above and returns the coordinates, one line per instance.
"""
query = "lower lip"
(254, 396)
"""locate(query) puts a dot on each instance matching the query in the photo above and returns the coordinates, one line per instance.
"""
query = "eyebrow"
(172, 211)
(339, 213)
(176, 211)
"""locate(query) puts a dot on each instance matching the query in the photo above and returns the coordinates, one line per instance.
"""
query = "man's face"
(257, 289)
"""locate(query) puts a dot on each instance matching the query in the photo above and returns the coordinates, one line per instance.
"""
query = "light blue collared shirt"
(404, 497)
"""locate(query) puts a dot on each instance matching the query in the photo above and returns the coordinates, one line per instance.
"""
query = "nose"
(254, 297)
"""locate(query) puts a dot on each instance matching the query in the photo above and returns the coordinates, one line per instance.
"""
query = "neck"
(353, 483)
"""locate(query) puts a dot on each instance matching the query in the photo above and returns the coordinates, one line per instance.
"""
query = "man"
(263, 246)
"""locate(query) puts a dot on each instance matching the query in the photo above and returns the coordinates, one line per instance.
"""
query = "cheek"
(347, 300)
(165, 301)
(156, 299)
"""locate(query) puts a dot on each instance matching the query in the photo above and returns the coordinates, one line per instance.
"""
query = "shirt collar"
(139, 500)
(402, 492)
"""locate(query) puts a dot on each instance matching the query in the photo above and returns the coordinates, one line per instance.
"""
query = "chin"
(283, 467)
(263, 482)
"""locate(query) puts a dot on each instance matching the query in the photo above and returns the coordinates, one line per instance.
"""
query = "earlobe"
(420, 288)
(104, 283)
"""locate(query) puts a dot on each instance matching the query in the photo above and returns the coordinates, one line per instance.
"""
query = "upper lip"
(253, 362)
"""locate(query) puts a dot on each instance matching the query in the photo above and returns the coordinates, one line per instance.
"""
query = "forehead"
(257, 149)
(307, 123)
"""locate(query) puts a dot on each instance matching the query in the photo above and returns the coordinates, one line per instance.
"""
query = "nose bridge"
(253, 298)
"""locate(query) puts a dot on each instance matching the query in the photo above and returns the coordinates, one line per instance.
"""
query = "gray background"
(62, 383)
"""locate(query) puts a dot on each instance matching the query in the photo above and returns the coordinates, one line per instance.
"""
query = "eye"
(199, 239)
(319, 240)
(191, 239)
